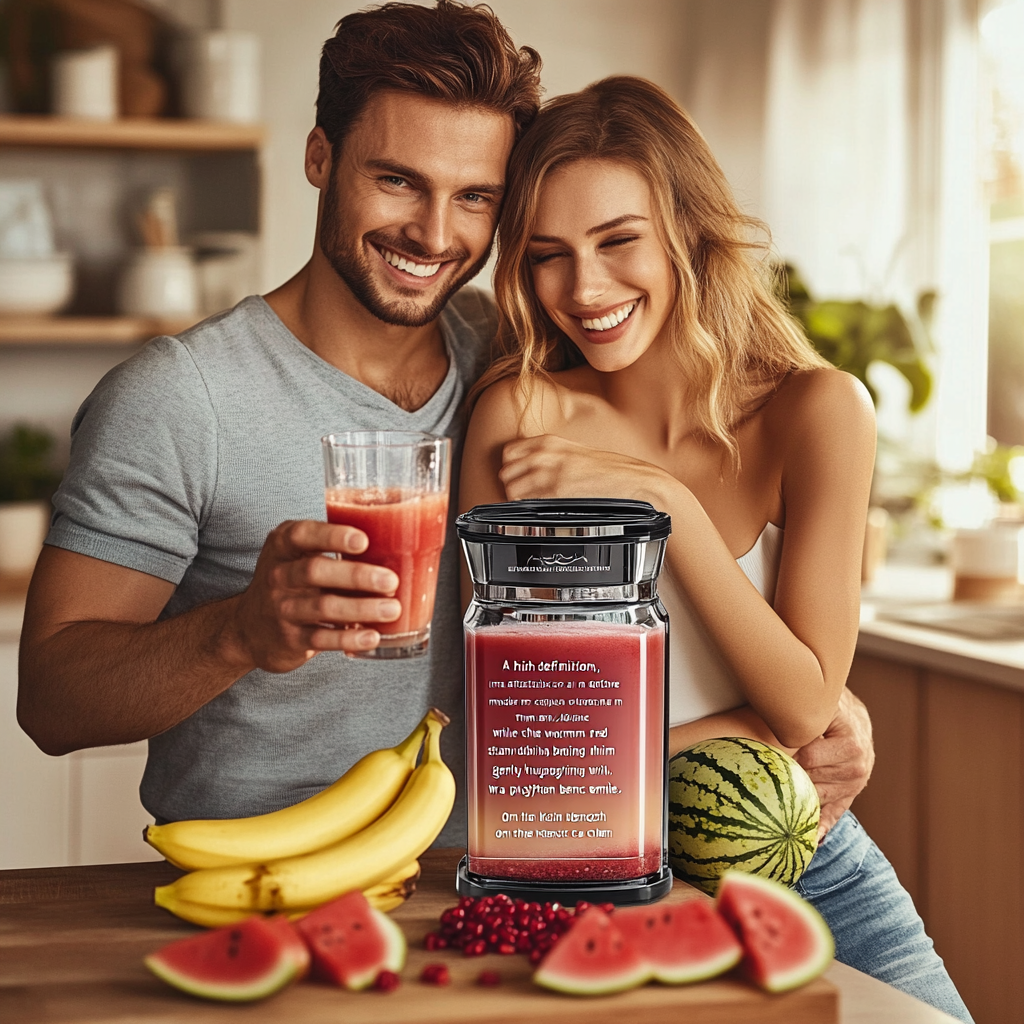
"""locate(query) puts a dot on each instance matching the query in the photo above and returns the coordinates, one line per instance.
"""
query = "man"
(182, 596)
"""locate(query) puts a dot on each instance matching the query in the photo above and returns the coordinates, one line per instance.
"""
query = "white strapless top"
(700, 682)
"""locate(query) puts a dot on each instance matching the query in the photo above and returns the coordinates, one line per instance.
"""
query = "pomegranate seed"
(387, 981)
(435, 974)
(477, 948)
(536, 956)
(506, 948)
(582, 905)
(608, 908)
(489, 978)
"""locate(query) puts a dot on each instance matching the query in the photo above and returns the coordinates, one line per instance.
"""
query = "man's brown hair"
(452, 52)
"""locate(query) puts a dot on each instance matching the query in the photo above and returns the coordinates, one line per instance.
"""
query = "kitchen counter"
(899, 589)
(73, 939)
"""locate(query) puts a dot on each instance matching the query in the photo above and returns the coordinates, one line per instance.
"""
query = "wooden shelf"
(88, 330)
(128, 133)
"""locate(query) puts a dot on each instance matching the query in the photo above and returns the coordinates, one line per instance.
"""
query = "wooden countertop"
(72, 942)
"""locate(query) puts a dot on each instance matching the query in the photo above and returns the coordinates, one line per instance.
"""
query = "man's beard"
(352, 265)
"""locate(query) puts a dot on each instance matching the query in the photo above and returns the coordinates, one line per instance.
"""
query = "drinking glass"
(393, 485)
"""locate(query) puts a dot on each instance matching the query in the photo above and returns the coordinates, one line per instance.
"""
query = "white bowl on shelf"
(159, 282)
(36, 284)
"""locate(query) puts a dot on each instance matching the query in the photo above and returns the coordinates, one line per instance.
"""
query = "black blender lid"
(566, 517)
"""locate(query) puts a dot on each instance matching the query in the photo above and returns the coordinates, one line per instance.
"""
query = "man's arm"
(840, 762)
(96, 667)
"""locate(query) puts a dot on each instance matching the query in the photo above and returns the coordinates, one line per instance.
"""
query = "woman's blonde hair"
(732, 338)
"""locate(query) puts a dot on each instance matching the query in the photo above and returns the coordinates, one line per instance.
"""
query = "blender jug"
(566, 701)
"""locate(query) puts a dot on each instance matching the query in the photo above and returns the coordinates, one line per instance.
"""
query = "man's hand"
(292, 609)
(840, 762)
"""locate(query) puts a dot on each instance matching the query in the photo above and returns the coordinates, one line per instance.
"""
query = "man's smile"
(407, 264)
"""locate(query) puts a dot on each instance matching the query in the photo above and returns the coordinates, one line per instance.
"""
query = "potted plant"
(852, 334)
(28, 479)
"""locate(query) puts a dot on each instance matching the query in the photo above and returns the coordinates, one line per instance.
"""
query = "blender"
(566, 701)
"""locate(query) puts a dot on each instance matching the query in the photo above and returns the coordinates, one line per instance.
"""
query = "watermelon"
(786, 942)
(739, 803)
(351, 942)
(592, 959)
(682, 943)
(293, 943)
(245, 961)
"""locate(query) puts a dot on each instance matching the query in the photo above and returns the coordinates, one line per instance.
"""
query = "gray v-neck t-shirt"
(183, 459)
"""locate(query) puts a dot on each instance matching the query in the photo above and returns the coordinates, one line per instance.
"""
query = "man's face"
(412, 202)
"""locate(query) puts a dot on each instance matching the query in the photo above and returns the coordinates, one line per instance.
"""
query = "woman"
(644, 356)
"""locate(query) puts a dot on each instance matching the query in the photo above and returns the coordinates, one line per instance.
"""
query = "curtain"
(872, 187)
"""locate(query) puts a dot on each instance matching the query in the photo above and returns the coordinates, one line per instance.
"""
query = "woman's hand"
(547, 466)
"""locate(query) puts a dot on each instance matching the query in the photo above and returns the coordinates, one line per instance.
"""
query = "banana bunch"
(359, 797)
(378, 856)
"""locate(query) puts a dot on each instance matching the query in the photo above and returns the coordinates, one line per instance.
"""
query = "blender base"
(636, 891)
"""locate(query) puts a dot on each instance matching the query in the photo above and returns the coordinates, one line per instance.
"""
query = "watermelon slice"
(351, 942)
(682, 943)
(293, 943)
(786, 942)
(242, 962)
(592, 958)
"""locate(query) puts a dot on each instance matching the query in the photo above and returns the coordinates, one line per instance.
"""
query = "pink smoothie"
(406, 530)
(566, 757)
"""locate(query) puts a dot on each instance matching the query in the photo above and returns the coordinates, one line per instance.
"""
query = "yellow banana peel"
(344, 808)
(359, 861)
(386, 895)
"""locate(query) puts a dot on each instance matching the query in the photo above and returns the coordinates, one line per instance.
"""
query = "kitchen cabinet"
(83, 808)
(946, 803)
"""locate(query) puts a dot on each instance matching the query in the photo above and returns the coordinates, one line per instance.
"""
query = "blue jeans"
(876, 927)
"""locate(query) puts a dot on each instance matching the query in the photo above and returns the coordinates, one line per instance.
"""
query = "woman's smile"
(599, 266)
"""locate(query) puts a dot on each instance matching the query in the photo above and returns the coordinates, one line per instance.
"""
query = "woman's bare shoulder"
(822, 402)
(547, 406)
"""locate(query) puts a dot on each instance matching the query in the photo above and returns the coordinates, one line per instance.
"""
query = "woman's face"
(599, 267)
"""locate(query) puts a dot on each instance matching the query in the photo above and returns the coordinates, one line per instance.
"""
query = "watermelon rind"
(740, 803)
(712, 945)
(394, 936)
(593, 958)
(281, 971)
(775, 979)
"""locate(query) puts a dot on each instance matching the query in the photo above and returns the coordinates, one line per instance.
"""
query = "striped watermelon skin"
(739, 803)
